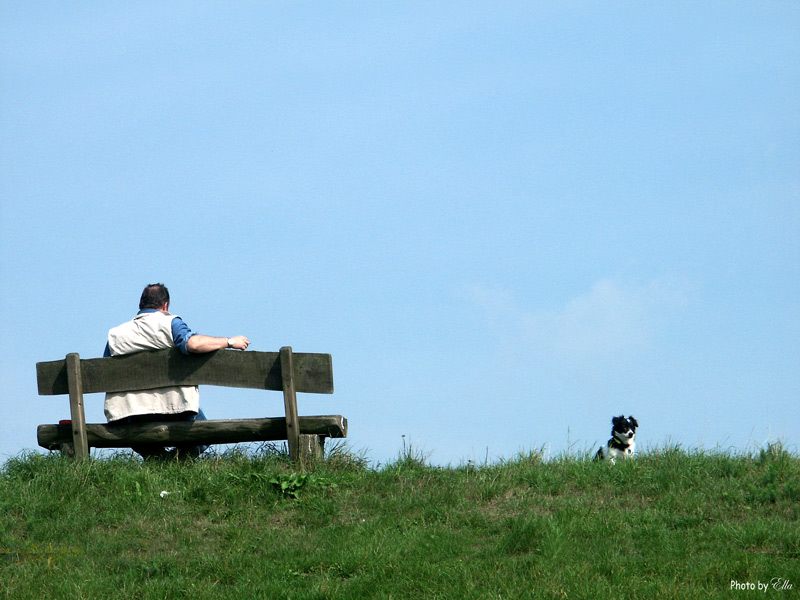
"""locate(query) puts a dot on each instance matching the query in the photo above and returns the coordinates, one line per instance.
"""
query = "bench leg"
(290, 403)
(67, 449)
(75, 383)
(312, 448)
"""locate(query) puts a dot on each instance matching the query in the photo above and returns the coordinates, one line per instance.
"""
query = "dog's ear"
(632, 421)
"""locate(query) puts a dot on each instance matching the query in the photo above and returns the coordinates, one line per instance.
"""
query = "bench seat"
(212, 431)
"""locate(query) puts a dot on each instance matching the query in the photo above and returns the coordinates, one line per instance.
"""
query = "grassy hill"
(672, 524)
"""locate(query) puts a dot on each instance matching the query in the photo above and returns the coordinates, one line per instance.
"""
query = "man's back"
(151, 329)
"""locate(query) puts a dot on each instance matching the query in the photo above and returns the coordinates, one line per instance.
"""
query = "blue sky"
(507, 222)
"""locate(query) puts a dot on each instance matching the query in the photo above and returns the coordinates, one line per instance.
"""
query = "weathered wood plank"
(223, 431)
(72, 365)
(313, 373)
(290, 402)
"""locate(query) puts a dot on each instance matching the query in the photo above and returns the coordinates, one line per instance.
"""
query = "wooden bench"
(280, 371)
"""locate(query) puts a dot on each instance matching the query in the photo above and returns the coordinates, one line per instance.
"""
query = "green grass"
(672, 524)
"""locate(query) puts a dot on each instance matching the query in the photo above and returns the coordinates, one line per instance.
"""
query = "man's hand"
(239, 342)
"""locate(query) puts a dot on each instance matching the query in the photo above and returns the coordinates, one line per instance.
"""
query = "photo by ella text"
(780, 584)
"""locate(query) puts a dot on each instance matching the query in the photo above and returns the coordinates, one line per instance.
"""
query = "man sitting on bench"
(154, 328)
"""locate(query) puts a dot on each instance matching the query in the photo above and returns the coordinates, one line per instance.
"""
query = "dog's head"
(624, 429)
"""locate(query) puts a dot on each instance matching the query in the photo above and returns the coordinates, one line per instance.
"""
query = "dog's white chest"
(612, 454)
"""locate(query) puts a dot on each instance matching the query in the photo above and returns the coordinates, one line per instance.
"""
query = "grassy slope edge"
(672, 524)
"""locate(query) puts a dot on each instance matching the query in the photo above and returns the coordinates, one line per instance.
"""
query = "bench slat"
(313, 373)
(221, 431)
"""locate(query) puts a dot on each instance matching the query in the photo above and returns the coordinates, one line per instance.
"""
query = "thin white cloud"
(608, 321)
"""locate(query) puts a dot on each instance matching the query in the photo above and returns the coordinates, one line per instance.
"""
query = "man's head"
(155, 295)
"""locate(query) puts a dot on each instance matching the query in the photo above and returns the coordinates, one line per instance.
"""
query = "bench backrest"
(313, 373)
(284, 371)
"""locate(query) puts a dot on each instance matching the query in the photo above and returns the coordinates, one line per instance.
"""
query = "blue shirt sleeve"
(181, 334)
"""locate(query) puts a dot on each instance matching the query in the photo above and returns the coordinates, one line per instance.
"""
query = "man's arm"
(200, 343)
(189, 342)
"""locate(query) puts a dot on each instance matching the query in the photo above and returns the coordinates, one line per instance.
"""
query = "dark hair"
(154, 296)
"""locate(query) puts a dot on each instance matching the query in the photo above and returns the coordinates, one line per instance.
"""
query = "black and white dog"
(622, 442)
